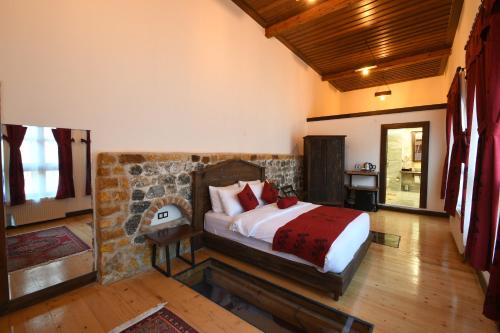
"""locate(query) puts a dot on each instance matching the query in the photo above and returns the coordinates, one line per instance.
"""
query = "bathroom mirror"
(417, 145)
(49, 228)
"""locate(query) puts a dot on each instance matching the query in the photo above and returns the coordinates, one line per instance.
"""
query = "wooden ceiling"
(405, 39)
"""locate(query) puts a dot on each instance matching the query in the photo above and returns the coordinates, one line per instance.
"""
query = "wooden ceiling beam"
(311, 14)
(250, 11)
(414, 59)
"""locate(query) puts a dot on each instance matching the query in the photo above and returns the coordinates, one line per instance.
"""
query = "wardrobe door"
(315, 169)
(334, 165)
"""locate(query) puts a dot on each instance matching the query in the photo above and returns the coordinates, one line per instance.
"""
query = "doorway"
(404, 155)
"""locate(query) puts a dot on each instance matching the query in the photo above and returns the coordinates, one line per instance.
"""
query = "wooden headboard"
(220, 174)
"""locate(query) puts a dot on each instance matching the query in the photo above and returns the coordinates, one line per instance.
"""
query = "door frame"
(4, 278)
(425, 158)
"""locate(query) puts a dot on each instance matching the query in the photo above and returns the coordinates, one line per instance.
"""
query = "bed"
(334, 278)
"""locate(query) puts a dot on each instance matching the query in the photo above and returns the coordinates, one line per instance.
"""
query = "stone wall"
(131, 187)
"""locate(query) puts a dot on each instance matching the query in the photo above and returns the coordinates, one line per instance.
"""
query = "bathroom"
(404, 161)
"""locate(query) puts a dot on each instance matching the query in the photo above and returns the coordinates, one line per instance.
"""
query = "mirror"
(49, 224)
(417, 145)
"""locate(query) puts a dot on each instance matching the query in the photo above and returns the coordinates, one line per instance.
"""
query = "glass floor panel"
(264, 305)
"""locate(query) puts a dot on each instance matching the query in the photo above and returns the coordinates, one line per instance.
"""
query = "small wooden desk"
(353, 188)
(168, 236)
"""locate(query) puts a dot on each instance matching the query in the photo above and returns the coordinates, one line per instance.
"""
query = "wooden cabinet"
(324, 169)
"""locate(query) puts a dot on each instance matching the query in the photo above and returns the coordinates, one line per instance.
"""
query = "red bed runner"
(310, 235)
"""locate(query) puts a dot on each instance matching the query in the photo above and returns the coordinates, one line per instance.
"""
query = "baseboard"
(417, 211)
(52, 291)
(66, 215)
(80, 212)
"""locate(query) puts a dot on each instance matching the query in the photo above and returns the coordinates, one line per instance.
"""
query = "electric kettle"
(369, 166)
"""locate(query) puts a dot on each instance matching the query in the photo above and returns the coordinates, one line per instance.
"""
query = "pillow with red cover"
(247, 199)
(287, 202)
(269, 193)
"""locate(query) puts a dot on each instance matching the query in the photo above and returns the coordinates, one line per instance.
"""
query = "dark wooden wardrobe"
(324, 169)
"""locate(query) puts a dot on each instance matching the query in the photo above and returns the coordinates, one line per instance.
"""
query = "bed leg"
(335, 296)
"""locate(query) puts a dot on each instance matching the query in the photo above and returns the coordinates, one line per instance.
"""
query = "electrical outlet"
(162, 215)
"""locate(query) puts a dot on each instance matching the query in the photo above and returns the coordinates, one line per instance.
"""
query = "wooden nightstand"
(168, 236)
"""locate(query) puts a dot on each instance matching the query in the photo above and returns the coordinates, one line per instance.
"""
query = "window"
(471, 162)
(471, 171)
(40, 163)
(463, 113)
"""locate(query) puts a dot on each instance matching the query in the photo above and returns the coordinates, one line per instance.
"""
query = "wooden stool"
(165, 237)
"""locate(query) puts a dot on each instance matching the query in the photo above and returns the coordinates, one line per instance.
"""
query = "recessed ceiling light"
(365, 70)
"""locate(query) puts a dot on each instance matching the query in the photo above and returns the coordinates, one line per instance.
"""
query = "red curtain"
(88, 169)
(449, 117)
(459, 146)
(483, 235)
(492, 63)
(66, 188)
(15, 137)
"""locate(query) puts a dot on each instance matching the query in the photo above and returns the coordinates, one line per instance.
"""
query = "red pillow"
(269, 193)
(287, 202)
(247, 199)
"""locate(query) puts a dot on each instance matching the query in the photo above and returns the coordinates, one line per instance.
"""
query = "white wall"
(411, 93)
(189, 75)
(363, 143)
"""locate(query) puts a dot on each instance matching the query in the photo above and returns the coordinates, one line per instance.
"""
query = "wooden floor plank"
(422, 286)
(31, 279)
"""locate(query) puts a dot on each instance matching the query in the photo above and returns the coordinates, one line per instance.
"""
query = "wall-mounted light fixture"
(383, 94)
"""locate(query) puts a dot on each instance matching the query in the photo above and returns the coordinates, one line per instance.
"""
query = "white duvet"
(262, 223)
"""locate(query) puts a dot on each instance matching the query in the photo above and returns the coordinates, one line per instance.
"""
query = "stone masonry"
(131, 187)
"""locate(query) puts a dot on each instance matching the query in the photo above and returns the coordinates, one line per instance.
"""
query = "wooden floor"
(26, 281)
(423, 286)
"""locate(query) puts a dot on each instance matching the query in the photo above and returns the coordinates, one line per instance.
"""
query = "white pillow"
(230, 201)
(215, 199)
(256, 186)
(242, 183)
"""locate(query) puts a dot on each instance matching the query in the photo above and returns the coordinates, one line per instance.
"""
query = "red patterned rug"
(156, 320)
(38, 247)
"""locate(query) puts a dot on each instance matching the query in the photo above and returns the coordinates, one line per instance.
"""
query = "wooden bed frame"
(231, 171)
